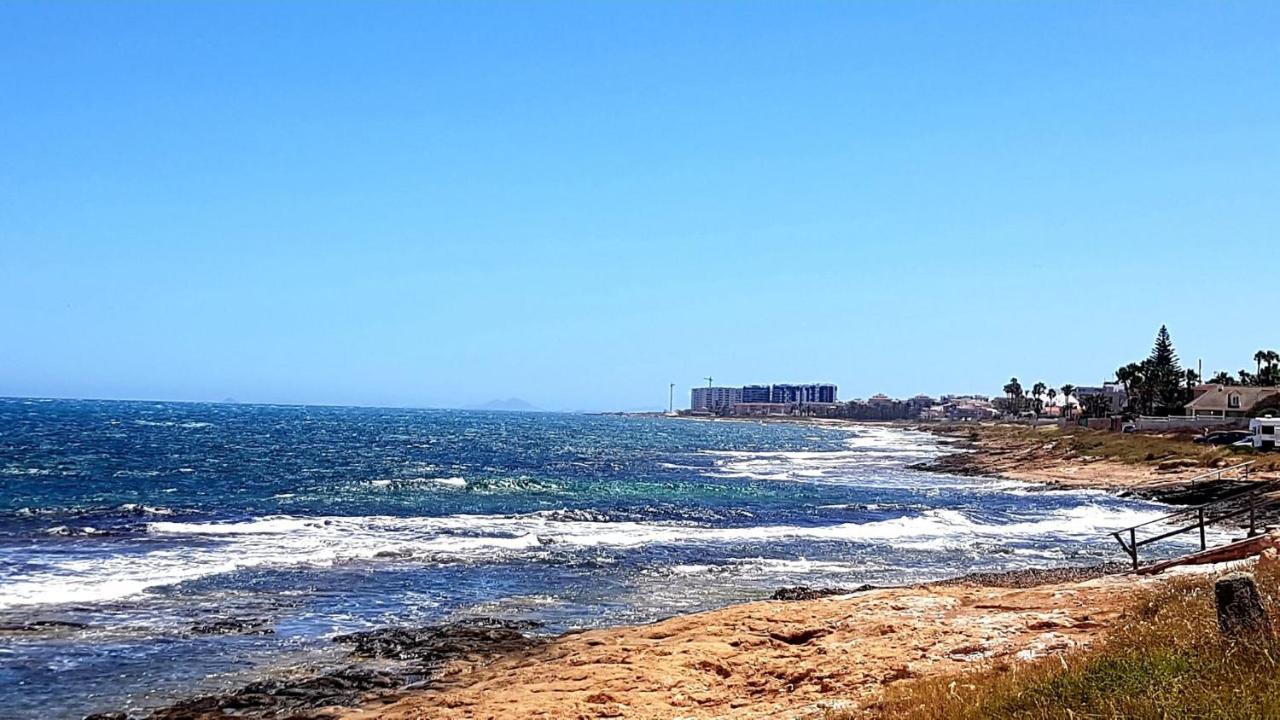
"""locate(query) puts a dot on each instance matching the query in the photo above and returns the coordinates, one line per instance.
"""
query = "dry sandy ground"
(1085, 474)
(1045, 462)
(771, 659)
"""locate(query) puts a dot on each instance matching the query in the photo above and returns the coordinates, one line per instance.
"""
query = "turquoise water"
(143, 522)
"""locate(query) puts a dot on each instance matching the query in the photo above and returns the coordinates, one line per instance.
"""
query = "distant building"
(802, 394)
(969, 408)
(761, 409)
(953, 398)
(755, 394)
(1213, 400)
(1112, 393)
(714, 399)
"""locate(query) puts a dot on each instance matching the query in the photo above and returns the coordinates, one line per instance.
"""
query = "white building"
(714, 399)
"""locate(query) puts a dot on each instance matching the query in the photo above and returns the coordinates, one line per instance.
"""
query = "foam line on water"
(286, 541)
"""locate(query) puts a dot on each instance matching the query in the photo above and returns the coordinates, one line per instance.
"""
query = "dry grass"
(1140, 447)
(1131, 448)
(1165, 659)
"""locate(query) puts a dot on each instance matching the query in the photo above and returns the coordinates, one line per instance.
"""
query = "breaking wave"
(211, 548)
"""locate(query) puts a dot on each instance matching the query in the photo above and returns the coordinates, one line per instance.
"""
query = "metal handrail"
(1192, 508)
(1217, 474)
(1204, 517)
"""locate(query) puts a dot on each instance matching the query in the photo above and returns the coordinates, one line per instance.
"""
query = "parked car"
(1223, 437)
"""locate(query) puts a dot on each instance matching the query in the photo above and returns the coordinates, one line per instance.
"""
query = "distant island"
(508, 405)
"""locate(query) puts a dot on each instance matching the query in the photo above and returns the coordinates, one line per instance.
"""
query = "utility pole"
(671, 399)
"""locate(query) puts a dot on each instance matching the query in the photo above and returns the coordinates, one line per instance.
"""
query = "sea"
(152, 551)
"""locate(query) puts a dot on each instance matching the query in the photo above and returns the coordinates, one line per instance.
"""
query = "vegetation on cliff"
(1165, 658)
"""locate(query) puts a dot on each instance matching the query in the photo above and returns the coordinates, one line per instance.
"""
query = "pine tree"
(1165, 375)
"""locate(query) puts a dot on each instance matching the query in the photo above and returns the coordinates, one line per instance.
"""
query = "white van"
(1264, 432)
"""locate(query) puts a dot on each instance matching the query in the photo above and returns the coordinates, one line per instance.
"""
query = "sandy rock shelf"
(772, 659)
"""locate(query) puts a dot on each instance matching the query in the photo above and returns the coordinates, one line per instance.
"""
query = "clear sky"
(441, 204)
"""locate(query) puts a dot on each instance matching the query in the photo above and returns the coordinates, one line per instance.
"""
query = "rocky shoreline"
(383, 664)
(1052, 464)
(786, 641)
(388, 665)
(787, 658)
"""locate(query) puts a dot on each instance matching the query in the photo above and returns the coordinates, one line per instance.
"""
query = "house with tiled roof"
(1214, 400)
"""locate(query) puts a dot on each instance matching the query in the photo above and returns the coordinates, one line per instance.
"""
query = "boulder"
(1241, 613)
(434, 645)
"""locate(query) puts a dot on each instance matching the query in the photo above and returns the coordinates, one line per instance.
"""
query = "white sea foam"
(867, 448)
(288, 541)
(454, 482)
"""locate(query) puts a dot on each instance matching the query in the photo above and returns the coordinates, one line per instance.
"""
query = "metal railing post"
(1249, 496)
(1253, 514)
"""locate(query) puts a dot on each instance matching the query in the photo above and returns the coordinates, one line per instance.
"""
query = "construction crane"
(708, 381)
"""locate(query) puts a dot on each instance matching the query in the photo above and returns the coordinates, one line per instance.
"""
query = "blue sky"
(578, 203)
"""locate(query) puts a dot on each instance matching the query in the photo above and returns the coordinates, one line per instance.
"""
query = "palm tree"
(1270, 372)
(1052, 393)
(1013, 389)
(1130, 376)
(1037, 391)
(1067, 391)
(1258, 358)
(1223, 378)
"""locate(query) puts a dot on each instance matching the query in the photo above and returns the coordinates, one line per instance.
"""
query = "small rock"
(800, 637)
(1268, 558)
(803, 592)
(232, 627)
(899, 672)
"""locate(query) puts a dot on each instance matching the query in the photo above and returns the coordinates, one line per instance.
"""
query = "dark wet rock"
(287, 698)
(232, 627)
(421, 652)
(42, 626)
(107, 716)
(436, 644)
(1034, 577)
(802, 592)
